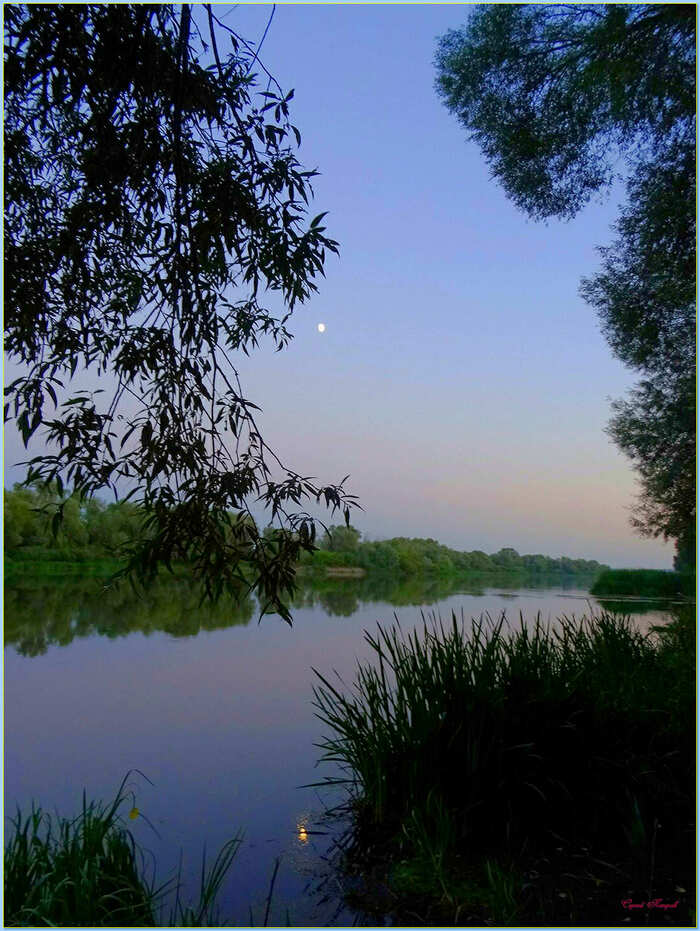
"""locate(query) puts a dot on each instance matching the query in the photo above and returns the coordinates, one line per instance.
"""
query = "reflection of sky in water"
(222, 723)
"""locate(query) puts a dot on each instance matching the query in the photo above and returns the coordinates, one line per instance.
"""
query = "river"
(215, 709)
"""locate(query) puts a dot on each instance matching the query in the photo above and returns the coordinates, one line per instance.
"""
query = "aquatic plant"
(476, 742)
(652, 583)
(89, 871)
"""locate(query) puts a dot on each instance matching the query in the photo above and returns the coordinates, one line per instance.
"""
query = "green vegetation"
(535, 775)
(92, 538)
(92, 533)
(562, 99)
(650, 582)
(41, 564)
(152, 196)
(89, 872)
(342, 546)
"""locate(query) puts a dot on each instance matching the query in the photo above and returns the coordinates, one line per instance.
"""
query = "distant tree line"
(91, 529)
(343, 546)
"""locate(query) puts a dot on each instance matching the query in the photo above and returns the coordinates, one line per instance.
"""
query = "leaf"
(51, 393)
(56, 521)
(316, 220)
(127, 435)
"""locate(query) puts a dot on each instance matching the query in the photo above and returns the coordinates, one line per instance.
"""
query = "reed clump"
(90, 872)
(647, 583)
(466, 745)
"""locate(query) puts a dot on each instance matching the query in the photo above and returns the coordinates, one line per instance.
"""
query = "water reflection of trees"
(628, 606)
(39, 614)
(342, 597)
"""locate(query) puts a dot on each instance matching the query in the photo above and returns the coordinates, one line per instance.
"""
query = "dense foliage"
(551, 759)
(404, 556)
(644, 582)
(89, 529)
(92, 529)
(645, 298)
(561, 98)
(153, 201)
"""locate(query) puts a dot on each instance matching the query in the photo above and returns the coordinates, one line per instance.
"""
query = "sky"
(461, 380)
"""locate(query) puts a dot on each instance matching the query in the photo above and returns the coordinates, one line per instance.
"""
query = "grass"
(89, 872)
(59, 567)
(540, 753)
(651, 583)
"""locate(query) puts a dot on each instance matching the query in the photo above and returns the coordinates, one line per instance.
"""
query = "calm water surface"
(216, 710)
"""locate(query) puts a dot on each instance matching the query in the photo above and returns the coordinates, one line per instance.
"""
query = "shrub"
(652, 583)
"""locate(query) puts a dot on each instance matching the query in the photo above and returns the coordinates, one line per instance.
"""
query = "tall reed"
(90, 872)
(486, 740)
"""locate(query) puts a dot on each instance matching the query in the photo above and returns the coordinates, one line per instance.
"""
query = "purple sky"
(461, 380)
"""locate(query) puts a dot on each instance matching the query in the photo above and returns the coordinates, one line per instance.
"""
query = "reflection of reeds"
(90, 872)
(475, 741)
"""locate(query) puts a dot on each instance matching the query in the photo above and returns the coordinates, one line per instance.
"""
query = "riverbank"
(650, 583)
(537, 778)
(51, 566)
(407, 556)
(38, 562)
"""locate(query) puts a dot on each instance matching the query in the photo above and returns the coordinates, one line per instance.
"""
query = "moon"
(321, 327)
